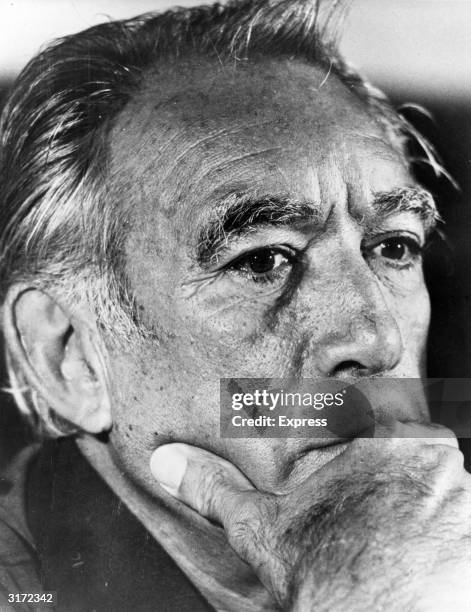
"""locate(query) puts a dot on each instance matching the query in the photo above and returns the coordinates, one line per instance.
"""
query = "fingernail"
(168, 466)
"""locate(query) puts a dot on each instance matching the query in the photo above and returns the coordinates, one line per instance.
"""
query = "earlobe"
(60, 357)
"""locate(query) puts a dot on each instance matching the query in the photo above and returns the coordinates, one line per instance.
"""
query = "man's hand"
(384, 525)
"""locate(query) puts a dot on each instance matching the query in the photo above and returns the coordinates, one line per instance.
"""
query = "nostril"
(351, 368)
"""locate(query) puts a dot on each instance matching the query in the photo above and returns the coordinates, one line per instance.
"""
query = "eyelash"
(294, 257)
(241, 265)
(414, 247)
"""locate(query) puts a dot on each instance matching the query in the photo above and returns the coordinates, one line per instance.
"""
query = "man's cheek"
(246, 352)
(223, 308)
(414, 321)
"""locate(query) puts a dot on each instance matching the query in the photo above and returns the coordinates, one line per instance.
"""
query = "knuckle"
(255, 510)
(212, 482)
(252, 523)
(440, 456)
(435, 466)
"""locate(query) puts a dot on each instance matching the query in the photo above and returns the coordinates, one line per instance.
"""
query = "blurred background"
(417, 51)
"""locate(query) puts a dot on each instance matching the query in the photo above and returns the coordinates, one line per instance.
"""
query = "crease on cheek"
(272, 314)
(402, 289)
(191, 287)
(220, 298)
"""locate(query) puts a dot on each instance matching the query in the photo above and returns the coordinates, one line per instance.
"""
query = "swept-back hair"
(59, 229)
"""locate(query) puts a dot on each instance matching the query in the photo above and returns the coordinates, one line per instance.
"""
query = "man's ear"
(60, 356)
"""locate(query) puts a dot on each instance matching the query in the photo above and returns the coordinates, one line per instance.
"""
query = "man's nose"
(362, 337)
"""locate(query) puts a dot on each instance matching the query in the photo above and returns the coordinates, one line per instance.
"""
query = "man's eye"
(399, 251)
(264, 261)
(267, 264)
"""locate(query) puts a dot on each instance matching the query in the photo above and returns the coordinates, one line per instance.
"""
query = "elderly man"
(203, 194)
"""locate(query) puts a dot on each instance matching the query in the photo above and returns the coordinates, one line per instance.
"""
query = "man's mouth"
(325, 445)
(306, 459)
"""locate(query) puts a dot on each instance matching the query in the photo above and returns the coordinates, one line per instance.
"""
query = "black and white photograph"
(235, 254)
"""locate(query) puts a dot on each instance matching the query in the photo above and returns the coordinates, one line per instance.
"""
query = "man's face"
(271, 237)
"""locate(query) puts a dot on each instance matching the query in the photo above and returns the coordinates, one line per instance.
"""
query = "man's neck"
(200, 549)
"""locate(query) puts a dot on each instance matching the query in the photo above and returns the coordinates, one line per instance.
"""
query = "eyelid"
(270, 237)
(414, 246)
(286, 250)
(376, 239)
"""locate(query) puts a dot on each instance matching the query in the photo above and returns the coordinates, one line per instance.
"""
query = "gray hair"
(59, 227)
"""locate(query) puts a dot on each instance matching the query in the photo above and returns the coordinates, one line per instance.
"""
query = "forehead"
(199, 130)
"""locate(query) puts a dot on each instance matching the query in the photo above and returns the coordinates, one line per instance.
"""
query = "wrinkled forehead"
(207, 128)
(199, 92)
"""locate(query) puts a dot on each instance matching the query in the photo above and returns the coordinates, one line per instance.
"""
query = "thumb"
(218, 491)
(207, 483)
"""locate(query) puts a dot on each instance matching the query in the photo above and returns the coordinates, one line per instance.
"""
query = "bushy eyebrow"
(240, 214)
(408, 199)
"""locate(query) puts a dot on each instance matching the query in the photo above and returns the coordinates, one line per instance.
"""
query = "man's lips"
(323, 445)
(329, 442)
(303, 460)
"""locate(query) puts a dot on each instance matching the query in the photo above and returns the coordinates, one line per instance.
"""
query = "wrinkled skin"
(337, 301)
(383, 526)
(196, 134)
